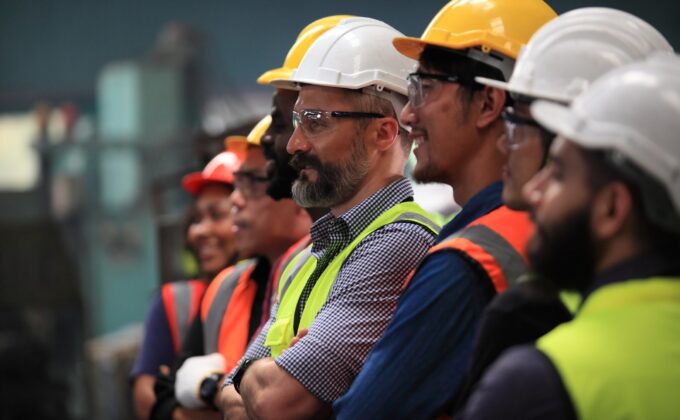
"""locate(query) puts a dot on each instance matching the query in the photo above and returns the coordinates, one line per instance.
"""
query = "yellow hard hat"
(306, 38)
(258, 131)
(502, 26)
(236, 144)
(239, 144)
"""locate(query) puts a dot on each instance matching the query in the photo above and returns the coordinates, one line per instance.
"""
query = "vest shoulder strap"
(496, 242)
(296, 274)
(288, 257)
(181, 301)
(216, 300)
(407, 211)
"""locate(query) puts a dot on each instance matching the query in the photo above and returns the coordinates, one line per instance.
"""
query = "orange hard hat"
(219, 170)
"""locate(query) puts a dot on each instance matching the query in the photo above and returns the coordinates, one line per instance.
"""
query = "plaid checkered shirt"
(362, 298)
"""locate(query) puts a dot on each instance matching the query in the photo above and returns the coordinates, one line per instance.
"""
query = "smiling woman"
(210, 237)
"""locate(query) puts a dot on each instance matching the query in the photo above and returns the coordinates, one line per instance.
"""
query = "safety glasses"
(425, 86)
(512, 124)
(250, 184)
(314, 122)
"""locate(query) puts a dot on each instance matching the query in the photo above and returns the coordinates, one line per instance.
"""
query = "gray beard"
(336, 183)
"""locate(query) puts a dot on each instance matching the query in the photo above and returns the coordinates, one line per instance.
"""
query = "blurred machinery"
(84, 249)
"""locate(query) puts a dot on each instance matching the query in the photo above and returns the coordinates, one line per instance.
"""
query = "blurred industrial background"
(104, 105)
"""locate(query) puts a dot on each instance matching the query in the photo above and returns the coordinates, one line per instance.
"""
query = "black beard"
(281, 174)
(565, 254)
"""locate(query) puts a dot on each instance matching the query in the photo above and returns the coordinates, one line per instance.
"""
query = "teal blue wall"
(55, 49)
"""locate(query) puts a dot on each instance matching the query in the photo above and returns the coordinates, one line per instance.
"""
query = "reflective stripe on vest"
(620, 356)
(225, 312)
(295, 276)
(497, 242)
(292, 269)
(181, 301)
(286, 259)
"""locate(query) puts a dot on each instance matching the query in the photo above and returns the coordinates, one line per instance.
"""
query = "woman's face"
(210, 233)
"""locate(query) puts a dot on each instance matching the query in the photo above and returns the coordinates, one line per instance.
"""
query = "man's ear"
(611, 210)
(491, 104)
(385, 132)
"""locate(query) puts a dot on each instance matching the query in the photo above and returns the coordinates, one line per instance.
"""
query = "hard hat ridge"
(355, 54)
(493, 31)
(634, 113)
(568, 53)
(307, 36)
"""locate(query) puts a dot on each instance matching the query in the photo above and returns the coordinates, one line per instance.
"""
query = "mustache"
(299, 161)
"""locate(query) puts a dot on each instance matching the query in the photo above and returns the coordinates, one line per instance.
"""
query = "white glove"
(190, 376)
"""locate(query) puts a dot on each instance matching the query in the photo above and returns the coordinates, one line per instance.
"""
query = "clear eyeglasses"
(424, 86)
(314, 122)
(250, 184)
(513, 122)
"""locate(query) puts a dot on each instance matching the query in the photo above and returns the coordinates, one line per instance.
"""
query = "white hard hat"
(356, 54)
(571, 51)
(633, 112)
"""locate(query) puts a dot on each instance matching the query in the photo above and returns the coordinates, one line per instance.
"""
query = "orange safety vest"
(496, 242)
(181, 301)
(225, 312)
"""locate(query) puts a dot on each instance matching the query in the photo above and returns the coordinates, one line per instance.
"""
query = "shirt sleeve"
(524, 384)
(157, 348)
(418, 365)
(357, 311)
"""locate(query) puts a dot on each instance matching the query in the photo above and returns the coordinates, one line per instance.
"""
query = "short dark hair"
(373, 103)
(603, 168)
(456, 63)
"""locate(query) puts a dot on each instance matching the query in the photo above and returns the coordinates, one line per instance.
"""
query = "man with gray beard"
(337, 296)
(335, 182)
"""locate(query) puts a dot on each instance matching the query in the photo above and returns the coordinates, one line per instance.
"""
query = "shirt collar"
(649, 264)
(350, 224)
(488, 199)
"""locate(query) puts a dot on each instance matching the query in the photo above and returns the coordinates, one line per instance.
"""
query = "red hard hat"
(220, 169)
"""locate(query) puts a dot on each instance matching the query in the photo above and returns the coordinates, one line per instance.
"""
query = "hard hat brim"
(513, 89)
(413, 47)
(560, 119)
(285, 83)
(494, 83)
(237, 144)
(410, 46)
(280, 73)
(193, 182)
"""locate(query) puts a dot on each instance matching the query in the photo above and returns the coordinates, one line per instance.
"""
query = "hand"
(190, 376)
(164, 370)
(182, 413)
(297, 338)
(232, 404)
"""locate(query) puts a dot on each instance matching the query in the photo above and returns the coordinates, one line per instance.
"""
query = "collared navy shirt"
(419, 363)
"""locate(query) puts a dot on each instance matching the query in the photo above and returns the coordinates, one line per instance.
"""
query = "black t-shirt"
(520, 315)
